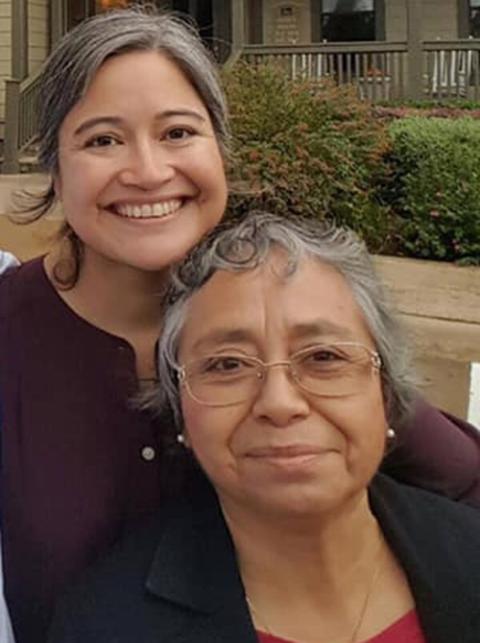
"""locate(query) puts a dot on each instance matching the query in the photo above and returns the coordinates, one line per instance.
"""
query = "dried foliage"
(409, 185)
(305, 148)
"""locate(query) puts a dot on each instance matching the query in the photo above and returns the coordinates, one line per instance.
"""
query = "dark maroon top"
(75, 468)
(77, 463)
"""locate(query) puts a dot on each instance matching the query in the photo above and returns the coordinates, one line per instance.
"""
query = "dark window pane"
(475, 23)
(347, 27)
(181, 5)
(78, 10)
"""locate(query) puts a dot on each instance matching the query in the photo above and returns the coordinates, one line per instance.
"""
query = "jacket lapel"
(443, 567)
(195, 569)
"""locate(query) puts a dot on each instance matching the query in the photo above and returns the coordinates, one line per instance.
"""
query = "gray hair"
(74, 62)
(244, 246)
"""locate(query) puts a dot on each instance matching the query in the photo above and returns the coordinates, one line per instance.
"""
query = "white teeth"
(148, 210)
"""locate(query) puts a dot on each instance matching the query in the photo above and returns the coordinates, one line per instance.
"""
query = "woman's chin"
(297, 501)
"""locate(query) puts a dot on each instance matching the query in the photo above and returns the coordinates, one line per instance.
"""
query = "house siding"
(281, 29)
(38, 36)
(440, 20)
(395, 20)
(5, 53)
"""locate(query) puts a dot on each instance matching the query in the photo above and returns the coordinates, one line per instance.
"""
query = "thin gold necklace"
(363, 609)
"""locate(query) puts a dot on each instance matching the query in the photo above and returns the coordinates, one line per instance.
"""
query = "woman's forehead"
(314, 300)
(116, 86)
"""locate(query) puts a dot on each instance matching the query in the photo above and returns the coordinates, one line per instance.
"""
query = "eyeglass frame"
(375, 362)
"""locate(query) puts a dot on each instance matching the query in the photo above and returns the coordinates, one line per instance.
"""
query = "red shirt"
(406, 628)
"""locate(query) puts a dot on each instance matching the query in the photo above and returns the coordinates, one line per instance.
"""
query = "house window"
(77, 11)
(348, 20)
(474, 8)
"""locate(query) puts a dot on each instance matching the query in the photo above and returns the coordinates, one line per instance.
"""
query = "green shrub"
(434, 187)
(304, 148)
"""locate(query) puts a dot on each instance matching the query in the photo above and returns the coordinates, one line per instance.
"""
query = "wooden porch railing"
(20, 119)
(452, 69)
(379, 70)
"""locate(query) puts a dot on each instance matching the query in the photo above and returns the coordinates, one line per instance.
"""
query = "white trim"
(474, 401)
(6, 634)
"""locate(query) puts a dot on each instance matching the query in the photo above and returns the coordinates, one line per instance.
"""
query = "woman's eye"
(223, 365)
(323, 358)
(179, 134)
(103, 140)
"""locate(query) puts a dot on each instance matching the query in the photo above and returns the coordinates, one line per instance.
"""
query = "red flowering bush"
(392, 112)
(306, 148)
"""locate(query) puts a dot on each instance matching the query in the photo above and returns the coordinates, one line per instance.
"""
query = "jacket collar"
(195, 563)
(435, 543)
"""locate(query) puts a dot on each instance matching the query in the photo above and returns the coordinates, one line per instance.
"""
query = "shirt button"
(148, 453)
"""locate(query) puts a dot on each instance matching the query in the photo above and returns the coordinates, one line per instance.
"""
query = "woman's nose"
(147, 167)
(279, 400)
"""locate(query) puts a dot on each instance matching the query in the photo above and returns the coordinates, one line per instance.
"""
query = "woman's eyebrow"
(116, 121)
(222, 336)
(322, 327)
(168, 113)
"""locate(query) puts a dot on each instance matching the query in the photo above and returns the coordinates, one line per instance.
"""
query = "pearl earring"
(181, 439)
(391, 435)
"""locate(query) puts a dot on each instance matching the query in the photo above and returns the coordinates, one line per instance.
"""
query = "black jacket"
(178, 581)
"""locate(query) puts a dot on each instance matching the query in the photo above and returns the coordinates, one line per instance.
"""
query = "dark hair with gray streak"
(74, 62)
(245, 245)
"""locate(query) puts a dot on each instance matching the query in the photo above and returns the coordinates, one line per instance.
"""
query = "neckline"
(409, 617)
(67, 311)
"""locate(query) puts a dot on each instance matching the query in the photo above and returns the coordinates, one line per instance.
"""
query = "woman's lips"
(288, 454)
(291, 461)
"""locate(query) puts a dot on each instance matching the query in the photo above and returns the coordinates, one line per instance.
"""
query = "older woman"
(288, 379)
(133, 135)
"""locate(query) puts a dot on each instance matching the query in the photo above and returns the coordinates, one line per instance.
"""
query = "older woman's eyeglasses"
(325, 370)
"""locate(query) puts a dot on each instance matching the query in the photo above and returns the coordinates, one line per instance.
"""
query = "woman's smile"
(288, 452)
(291, 459)
(153, 210)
